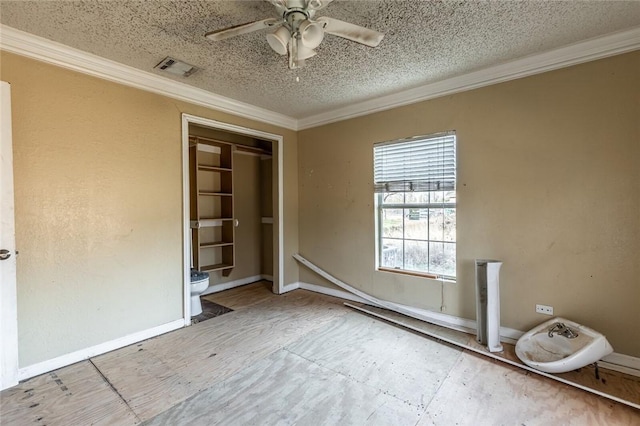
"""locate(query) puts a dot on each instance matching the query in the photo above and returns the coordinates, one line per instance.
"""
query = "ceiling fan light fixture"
(305, 53)
(279, 40)
(311, 33)
(297, 33)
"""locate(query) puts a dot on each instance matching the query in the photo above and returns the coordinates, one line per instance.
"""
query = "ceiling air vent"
(176, 67)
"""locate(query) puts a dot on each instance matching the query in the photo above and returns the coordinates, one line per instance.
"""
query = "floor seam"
(455, 364)
(115, 390)
(382, 391)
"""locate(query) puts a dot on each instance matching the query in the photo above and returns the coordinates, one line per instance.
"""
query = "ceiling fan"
(297, 33)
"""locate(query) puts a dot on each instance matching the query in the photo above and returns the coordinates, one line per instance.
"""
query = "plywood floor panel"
(404, 365)
(244, 296)
(487, 392)
(618, 384)
(612, 382)
(144, 381)
(164, 371)
(285, 389)
(302, 358)
(74, 395)
(283, 318)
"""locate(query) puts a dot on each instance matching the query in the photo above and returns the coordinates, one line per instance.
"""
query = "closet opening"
(232, 210)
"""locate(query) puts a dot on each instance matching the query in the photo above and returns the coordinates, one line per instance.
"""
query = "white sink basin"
(559, 354)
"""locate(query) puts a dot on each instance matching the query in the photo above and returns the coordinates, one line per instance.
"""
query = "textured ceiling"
(425, 41)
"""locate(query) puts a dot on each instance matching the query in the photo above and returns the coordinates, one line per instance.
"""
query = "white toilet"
(199, 283)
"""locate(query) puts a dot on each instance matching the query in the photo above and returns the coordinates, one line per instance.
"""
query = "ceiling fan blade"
(281, 3)
(237, 30)
(351, 32)
(281, 6)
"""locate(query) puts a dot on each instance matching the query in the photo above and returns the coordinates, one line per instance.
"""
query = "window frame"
(380, 206)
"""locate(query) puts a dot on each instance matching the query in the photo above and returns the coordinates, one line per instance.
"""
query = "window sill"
(416, 274)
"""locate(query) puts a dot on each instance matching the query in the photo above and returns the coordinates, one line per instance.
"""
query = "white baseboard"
(508, 335)
(231, 284)
(81, 355)
(290, 287)
(267, 277)
(623, 363)
(617, 362)
(621, 359)
(332, 292)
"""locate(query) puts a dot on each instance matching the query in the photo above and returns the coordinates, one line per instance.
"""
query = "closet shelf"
(213, 168)
(216, 267)
(216, 244)
(209, 222)
(215, 194)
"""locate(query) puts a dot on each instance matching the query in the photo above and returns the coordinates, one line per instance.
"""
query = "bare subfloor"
(300, 358)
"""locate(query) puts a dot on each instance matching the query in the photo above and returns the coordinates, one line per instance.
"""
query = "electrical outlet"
(544, 309)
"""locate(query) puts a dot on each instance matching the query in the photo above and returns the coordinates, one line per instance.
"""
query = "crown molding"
(29, 45)
(577, 53)
(41, 49)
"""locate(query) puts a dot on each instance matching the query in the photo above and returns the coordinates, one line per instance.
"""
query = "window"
(415, 191)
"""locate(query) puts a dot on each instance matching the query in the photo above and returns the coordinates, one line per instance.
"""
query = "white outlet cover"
(544, 309)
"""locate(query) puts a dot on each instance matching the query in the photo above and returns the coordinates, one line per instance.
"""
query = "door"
(8, 299)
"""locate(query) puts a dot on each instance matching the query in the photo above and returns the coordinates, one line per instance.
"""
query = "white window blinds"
(425, 163)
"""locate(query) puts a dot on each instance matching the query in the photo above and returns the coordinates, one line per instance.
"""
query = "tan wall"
(246, 199)
(548, 182)
(98, 197)
(266, 254)
(266, 187)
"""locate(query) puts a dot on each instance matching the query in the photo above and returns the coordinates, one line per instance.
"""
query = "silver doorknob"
(4, 254)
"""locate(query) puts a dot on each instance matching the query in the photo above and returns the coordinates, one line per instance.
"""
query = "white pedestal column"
(488, 303)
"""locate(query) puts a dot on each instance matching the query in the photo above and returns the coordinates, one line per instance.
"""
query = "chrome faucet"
(563, 330)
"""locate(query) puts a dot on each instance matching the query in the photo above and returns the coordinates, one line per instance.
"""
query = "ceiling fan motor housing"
(295, 17)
